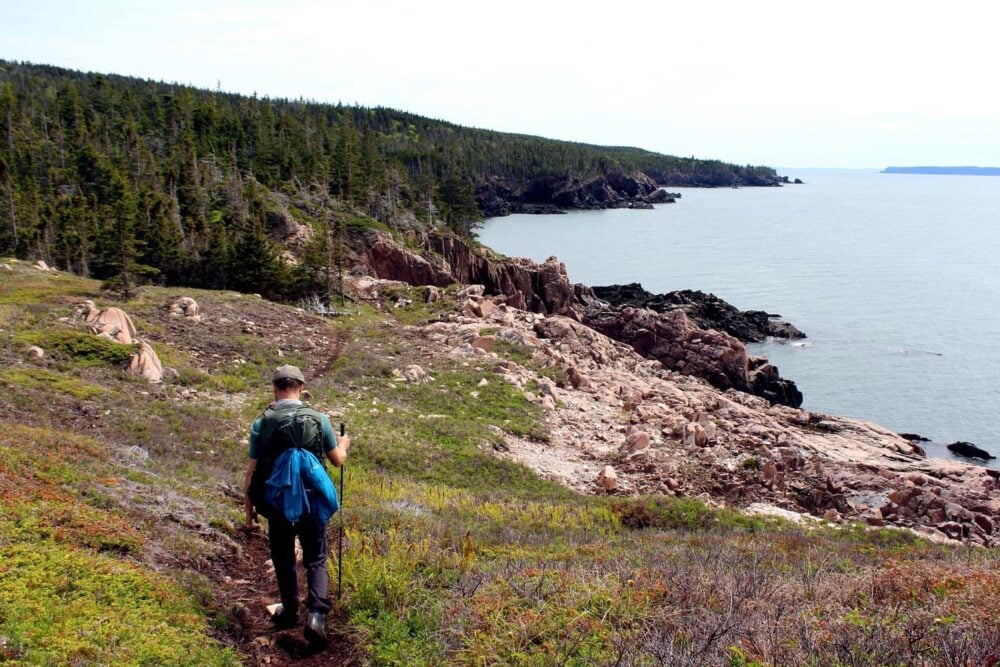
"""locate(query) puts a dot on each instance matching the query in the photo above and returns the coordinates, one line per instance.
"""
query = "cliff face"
(539, 288)
(498, 196)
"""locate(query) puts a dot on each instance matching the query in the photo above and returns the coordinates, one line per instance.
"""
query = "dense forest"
(130, 179)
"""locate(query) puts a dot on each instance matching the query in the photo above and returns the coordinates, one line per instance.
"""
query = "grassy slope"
(452, 555)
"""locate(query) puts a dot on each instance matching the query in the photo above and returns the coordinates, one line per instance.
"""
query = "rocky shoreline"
(669, 337)
(499, 197)
(706, 310)
(651, 403)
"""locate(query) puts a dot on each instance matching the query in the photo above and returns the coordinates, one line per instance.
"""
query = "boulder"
(635, 441)
(485, 343)
(414, 373)
(187, 307)
(969, 450)
(36, 352)
(471, 292)
(42, 266)
(577, 379)
(113, 323)
(608, 478)
(146, 363)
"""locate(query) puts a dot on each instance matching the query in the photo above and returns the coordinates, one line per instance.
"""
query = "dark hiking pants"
(312, 537)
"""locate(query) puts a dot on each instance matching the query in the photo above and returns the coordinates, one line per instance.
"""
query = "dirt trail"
(246, 591)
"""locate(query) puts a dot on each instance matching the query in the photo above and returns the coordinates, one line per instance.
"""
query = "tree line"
(129, 179)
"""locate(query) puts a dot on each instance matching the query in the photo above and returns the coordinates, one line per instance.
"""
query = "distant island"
(953, 171)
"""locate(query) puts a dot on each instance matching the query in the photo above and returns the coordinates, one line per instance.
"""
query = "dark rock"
(969, 450)
(797, 181)
(913, 437)
(765, 381)
(552, 194)
(707, 310)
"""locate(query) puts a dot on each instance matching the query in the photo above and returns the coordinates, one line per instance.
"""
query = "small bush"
(80, 347)
(678, 514)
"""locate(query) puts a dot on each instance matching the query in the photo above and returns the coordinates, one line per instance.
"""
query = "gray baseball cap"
(288, 371)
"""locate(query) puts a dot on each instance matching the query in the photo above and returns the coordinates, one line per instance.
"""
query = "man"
(271, 434)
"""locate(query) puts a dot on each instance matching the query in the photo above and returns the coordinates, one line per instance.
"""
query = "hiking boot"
(315, 630)
(283, 619)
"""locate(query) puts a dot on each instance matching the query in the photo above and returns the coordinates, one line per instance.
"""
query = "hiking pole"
(340, 536)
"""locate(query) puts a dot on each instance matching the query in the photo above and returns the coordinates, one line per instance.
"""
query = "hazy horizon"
(853, 86)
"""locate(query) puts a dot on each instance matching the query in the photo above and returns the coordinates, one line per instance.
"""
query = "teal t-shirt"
(329, 436)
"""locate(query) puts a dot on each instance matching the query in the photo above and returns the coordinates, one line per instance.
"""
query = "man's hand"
(251, 513)
(344, 441)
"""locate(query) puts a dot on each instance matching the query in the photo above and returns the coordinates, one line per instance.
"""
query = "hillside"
(103, 174)
(119, 506)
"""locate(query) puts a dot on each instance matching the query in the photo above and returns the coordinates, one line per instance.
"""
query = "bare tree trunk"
(13, 211)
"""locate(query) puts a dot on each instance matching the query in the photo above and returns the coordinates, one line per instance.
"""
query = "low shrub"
(80, 347)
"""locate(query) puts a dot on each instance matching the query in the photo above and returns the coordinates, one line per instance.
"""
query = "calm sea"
(895, 279)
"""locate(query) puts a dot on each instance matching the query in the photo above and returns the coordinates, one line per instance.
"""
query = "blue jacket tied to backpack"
(299, 486)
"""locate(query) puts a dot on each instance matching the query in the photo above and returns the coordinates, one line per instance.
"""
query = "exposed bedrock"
(670, 337)
(707, 310)
(553, 194)
(680, 345)
(540, 288)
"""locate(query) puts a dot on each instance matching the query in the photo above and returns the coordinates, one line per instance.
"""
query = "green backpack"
(282, 429)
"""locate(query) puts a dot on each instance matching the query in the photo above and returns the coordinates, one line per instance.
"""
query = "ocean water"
(894, 278)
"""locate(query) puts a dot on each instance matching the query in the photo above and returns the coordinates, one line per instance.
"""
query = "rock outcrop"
(542, 288)
(553, 194)
(669, 337)
(969, 450)
(707, 310)
(391, 261)
(676, 342)
(630, 426)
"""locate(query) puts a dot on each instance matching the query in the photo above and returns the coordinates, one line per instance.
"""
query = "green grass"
(47, 381)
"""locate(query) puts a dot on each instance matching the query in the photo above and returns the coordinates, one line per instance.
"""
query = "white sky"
(789, 84)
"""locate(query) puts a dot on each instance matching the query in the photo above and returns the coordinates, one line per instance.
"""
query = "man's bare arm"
(338, 454)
